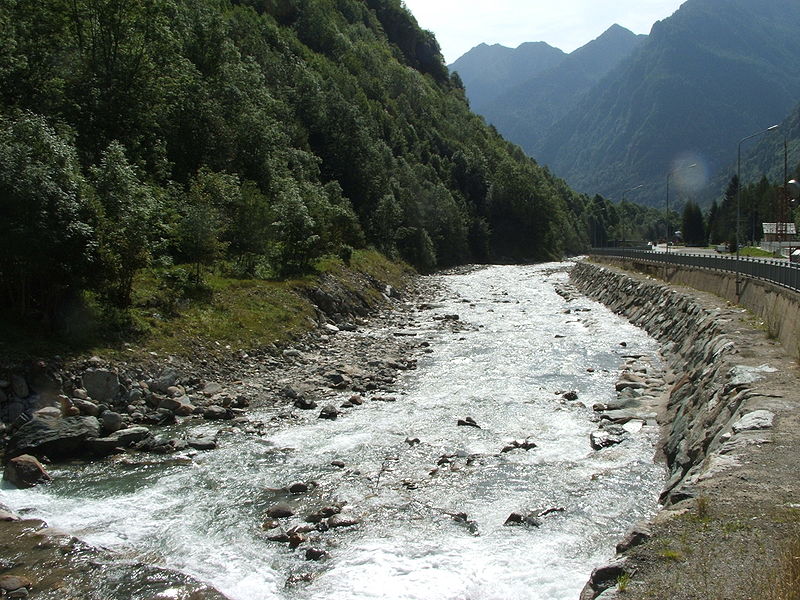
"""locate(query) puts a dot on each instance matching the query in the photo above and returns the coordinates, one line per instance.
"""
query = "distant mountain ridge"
(712, 73)
(488, 71)
(525, 112)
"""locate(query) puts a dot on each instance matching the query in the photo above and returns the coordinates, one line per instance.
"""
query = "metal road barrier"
(780, 272)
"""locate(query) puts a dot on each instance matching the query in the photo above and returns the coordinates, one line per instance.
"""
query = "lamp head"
(793, 187)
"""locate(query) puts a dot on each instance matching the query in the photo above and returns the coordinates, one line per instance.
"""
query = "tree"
(200, 233)
(694, 233)
(294, 238)
(128, 226)
(48, 244)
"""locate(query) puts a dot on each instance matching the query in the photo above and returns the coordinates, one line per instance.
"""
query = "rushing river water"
(502, 366)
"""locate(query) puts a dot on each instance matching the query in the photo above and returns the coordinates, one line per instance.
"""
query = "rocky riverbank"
(729, 422)
(101, 410)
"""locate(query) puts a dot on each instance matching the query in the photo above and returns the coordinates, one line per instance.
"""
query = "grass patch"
(672, 554)
(754, 252)
(171, 314)
(623, 581)
(784, 582)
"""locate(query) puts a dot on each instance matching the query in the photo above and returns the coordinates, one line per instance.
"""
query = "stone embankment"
(729, 387)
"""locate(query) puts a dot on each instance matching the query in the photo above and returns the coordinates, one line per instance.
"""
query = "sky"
(460, 25)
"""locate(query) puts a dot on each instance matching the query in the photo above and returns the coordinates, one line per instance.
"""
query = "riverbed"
(422, 501)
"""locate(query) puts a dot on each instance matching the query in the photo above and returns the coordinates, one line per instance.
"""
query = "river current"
(431, 513)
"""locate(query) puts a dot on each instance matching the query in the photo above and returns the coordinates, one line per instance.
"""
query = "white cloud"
(567, 24)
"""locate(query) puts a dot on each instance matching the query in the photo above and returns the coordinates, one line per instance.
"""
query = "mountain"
(489, 71)
(714, 72)
(526, 111)
(253, 137)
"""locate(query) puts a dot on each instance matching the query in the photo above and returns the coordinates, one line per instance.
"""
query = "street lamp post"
(739, 195)
(636, 187)
(669, 175)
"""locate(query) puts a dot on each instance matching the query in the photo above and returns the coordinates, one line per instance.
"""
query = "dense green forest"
(252, 136)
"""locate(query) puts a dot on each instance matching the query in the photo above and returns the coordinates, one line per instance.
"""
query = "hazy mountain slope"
(715, 71)
(525, 112)
(489, 71)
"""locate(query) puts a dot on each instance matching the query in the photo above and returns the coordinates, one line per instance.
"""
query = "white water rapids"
(204, 518)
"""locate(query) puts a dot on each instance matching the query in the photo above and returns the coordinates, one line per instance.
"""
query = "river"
(431, 514)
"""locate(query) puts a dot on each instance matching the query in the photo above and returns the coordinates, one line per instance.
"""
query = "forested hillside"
(253, 136)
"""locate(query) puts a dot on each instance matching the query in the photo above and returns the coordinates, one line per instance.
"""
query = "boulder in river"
(519, 445)
(217, 413)
(52, 437)
(25, 471)
(337, 521)
(468, 422)
(122, 438)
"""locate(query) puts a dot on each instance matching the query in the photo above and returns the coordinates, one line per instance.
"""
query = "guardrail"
(780, 272)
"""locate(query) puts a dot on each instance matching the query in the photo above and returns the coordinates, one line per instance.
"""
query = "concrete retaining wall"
(776, 307)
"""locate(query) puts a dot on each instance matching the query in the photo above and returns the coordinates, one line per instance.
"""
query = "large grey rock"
(754, 421)
(112, 421)
(25, 471)
(102, 385)
(122, 438)
(54, 438)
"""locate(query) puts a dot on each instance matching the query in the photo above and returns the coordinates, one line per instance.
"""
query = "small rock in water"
(463, 519)
(610, 435)
(571, 395)
(315, 554)
(468, 422)
(299, 578)
(202, 443)
(280, 511)
(305, 403)
(269, 524)
(338, 464)
(216, 413)
(519, 519)
(298, 487)
(337, 521)
(412, 441)
(329, 412)
(519, 445)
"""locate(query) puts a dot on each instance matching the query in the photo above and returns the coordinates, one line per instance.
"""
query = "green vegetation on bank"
(246, 139)
(170, 314)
